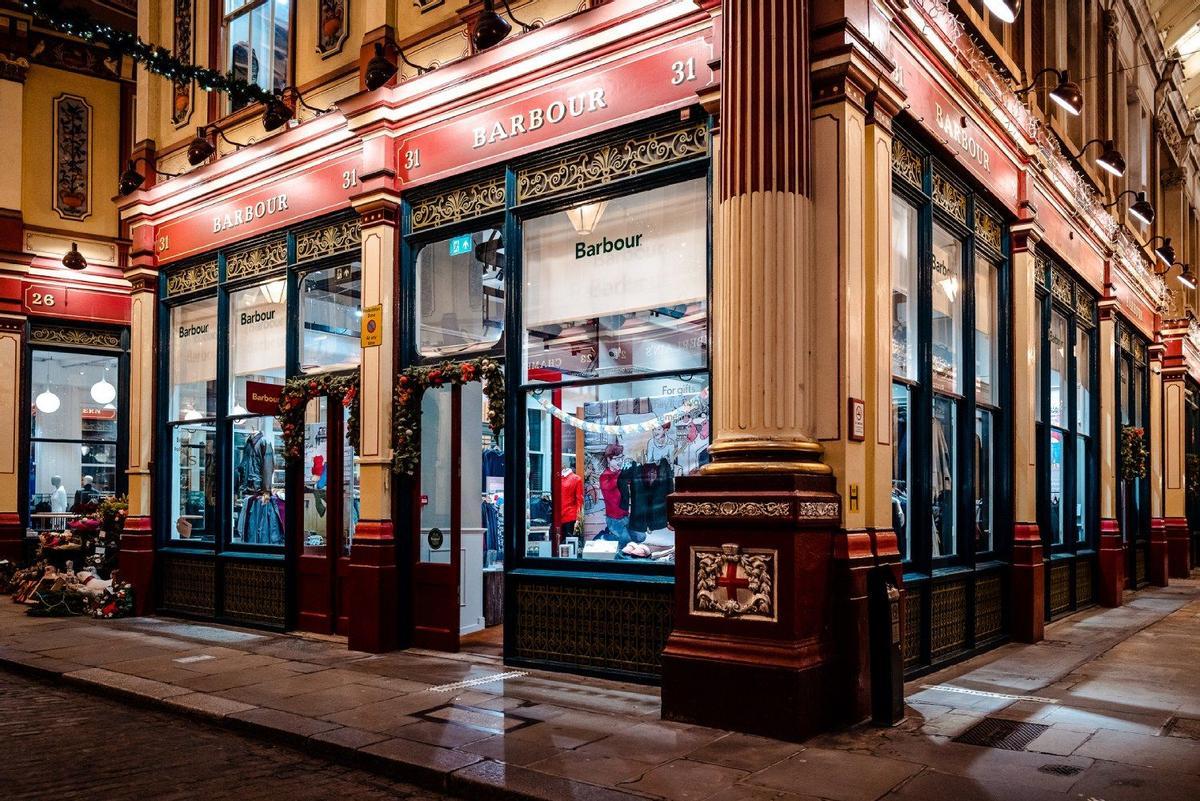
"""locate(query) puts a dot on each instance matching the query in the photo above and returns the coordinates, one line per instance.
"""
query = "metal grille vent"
(1060, 770)
(1010, 735)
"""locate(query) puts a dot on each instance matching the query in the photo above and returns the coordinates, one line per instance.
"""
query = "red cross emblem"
(734, 579)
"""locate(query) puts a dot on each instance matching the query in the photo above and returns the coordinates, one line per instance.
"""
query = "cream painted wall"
(37, 177)
(10, 359)
(12, 108)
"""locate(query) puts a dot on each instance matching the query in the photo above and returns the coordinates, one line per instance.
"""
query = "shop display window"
(73, 449)
(943, 482)
(901, 467)
(602, 460)
(316, 457)
(350, 487)
(618, 287)
(946, 325)
(460, 294)
(257, 339)
(987, 343)
(192, 345)
(905, 289)
(193, 491)
(330, 318)
(985, 481)
(258, 472)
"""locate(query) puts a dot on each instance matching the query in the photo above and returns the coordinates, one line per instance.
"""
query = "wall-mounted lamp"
(278, 111)
(490, 29)
(73, 259)
(380, 70)
(1066, 94)
(131, 179)
(1165, 252)
(1109, 159)
(1140, 209)
(1004, 10)
(200, 148)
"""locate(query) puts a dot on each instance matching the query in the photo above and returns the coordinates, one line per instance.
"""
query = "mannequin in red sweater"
(571, 500)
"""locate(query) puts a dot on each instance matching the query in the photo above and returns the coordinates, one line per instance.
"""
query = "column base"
(1028, 584)
(767, 606)
(1177, 539)
(12, 537)
(1111, 563)
(1156, 570)
(135, 562)
(373, 588)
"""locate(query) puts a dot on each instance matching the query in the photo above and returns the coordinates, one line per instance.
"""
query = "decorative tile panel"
(948, 627)
(458, 204)
(188, 585)
(183, 92)
(333, 26)
(912, 627)
(72, 157)
(1083, 583)
(610, 162)
(949, 197)
(74, 337)
(989, 608)
(906, 164)
(258, 259)
(255, 593)
(192, 279)
(329, 240)
(1042, 268)
(1060, 587)
(987, 229)
(734, 583)
(1060, 286)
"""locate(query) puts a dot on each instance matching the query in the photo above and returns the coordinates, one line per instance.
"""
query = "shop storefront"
(1191, 465)
(1067, 419)
(1133, 473)
(249, 532)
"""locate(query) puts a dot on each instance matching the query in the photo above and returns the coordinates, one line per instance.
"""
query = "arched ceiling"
(1178, 21)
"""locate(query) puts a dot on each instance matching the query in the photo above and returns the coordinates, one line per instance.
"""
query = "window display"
(193, 361)
(193, 493)
(904, 289)
(460, 294)
(316, 460)
(901, 475)
(73, 448)
(257, 339)
(330, 311)
(258, 482)
(943, 484)
(946, 326)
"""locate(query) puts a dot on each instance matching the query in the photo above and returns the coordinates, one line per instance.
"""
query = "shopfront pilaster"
(1157, 566)
(1111, 550)
(12, 329)
(373, 580)
(1176, 530)
(12, 100)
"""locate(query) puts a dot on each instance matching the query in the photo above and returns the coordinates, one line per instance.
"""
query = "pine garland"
(1135, 453)
(155, 59)
(298, 391)
(411, 385)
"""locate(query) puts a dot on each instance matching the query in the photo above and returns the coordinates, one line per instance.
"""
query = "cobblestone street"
(57, 742)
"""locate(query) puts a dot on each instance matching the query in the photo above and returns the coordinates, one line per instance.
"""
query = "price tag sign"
(372, 327)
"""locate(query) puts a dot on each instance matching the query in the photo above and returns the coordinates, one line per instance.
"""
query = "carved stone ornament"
(819, 510)
(732, 509)
(734, 583)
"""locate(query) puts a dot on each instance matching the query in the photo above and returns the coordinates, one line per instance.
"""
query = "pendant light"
(274, 290)
(585, 218)
(1141, 209)
(1067, 94)
(102, 391)
(47, 402)
(73, 259)
(1165, 251)
(131, 179)
(1110, 159)
(1004, 10)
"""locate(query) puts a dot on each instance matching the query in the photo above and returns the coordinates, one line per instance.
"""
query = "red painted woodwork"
(65, 301)
(600, 98)
(12, 535)
(1177, 535)
(1156, 566)
(725, 672)
(1065, 239)
(135, 562)
(1028, 586)
(372, 587)
(1111, 564)
(280, 203)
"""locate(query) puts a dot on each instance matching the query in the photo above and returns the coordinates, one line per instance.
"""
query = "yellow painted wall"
(37, 173)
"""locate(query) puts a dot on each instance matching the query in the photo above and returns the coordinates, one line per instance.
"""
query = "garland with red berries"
(411, 385)
(298, 391)
(1135, 453)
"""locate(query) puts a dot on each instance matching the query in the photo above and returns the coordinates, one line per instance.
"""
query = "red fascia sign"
(263, 398)
(620, 92)
(1067, 242)
(69, 302)
(300, 197)
(954, 127)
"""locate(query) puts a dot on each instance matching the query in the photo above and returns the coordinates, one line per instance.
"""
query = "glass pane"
(944, 474)
(280, 42)
(239, 55)
(1081, 494)
(1139, 390)
(460, 293)
(260, 40)
(258, 482)
(1039, 358)
(193, 361)
(904, 289)
(610, 457)
(350, 490)
(437, 470)
(1083, 377)
(257, 339)
(984, 477)
(316, 479)
(1057, 469)
(946, 327)
(193, 490)
(330, 314)
(987, 342)
(1123, 397)
(901, 468)
(618, 287)
(1058, 370)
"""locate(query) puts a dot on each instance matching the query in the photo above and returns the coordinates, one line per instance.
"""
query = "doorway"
(458, 568)
(329, 493)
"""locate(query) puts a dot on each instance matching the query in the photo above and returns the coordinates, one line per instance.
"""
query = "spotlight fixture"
(1066, 94)
(1004, 10)
(1187, 277)
(281, 108)
(490, 29)
(380, 70)
(131, 179)
(1110, 159)
(525, 28)
(1165, 251)
(73, 259)
(201, 149)
(1141, 209)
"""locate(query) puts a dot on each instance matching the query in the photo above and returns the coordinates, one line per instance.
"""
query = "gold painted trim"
(906, 164)
(949, 197)
(74, 337)
(255, 260)
(192, 279)
(329, 240)
(458, 204)
(732, 509)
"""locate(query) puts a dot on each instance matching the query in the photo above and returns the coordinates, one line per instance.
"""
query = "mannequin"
(260, 523)
(571, 495)
(58, 498)
(85, 495)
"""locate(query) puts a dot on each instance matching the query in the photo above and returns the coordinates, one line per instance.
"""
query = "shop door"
(328, 511)
(455, 541)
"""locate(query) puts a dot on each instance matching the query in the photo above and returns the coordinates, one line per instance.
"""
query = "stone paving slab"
(1117, 687)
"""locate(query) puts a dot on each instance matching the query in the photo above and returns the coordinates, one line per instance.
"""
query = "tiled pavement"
(1118, 692)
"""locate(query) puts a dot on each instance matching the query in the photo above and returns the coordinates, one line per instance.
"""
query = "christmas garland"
(1193, 473)
(297, 392)
(1135, 453)
(411, 385)
(158, 60)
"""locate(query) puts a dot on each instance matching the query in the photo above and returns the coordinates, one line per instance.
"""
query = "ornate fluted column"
(1111, 584)
(1156, 568)
(1028, 585)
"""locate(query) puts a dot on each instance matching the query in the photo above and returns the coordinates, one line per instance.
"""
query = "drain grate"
(1010, 735)
(1060, 770)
